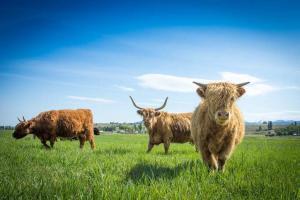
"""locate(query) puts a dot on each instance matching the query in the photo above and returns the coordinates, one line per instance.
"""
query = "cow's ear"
(240, 91)
(29, 124)
(139, 112)
(157, 113)
(201, 91)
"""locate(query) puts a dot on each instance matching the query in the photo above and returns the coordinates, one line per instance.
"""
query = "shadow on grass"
(145, 172)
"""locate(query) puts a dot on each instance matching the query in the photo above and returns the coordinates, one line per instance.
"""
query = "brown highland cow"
(59, 123)
(217, 124)
(165, 127)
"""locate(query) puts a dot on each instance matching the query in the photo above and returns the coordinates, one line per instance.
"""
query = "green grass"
(119, 168)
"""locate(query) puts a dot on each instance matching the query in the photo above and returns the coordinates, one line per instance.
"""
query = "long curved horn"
(19, 119)
(24, 119)
(242, 84)
(134, 104)
(200, 84)
(164, 105)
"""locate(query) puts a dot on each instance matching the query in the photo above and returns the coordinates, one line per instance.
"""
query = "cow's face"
(22, 129)
(149, 116)
(220, 99)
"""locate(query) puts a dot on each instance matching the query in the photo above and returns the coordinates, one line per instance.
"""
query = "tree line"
(7, 127)
(133, 128)
(293, 129)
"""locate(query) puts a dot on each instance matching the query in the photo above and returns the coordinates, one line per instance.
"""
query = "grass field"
(119, 168)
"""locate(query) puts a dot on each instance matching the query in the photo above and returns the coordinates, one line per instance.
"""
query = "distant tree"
(270, 125)
(259, 128)
(289, 130)
(140, 127)
(136, 129)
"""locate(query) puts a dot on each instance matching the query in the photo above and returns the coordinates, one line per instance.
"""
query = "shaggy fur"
(214, 136)
(47, 126)
(166, 127)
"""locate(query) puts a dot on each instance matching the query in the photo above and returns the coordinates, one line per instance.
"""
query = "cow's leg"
(209, 159)
(213, 164)
(166, 146)
(90, 137)
(224, 154)
(82, 139)
(221, 163)
(192, 143)
(44, 142)
(150, 146)
(92, 143)
(52, 141)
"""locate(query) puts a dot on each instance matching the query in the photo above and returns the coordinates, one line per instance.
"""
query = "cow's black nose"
(223, 115)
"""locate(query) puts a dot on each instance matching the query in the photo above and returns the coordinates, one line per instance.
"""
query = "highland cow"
(217, 124)
(165, 127)
(96, 131)
(47, 126)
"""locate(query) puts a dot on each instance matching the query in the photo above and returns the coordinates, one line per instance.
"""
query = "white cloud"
(171, 83)
(99, 100)
(239, 78)
(259, 89)
(124, 88)
(56, 82)
(256, 87)
(279, 115)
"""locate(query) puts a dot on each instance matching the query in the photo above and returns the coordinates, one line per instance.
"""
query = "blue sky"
(74, 54)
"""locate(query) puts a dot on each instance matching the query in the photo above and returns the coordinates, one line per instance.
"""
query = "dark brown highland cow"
(96, 131)
(217, 124)
(59, 123)
(165, 127)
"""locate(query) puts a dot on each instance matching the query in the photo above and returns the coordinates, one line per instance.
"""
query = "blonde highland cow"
(164, 127)
(217, 124)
